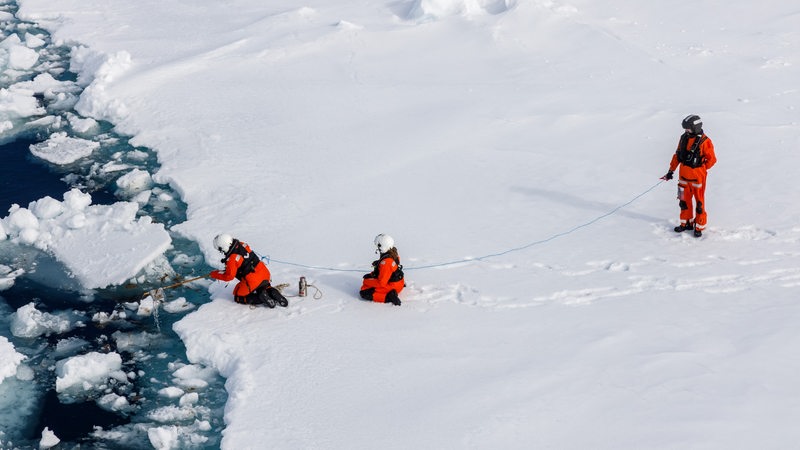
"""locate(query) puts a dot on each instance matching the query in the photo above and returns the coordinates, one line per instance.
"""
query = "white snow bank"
(442, 8)
(95, 70)
(9, 359)
(29, 322)
(61, 150)
(100, 245)
(86, 373)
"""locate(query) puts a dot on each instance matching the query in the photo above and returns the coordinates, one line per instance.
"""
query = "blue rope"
(491, 255)
(329, 269)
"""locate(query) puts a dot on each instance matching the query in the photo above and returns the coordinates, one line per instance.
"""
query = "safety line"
(491, 255)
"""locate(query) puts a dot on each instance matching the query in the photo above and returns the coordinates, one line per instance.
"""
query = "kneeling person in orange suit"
(254, 278)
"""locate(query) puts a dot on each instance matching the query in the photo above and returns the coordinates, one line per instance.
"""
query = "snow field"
(465, 128)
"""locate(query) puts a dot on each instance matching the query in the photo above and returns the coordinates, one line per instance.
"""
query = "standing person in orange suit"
(386, 280)
(695, 155)
(254, 278)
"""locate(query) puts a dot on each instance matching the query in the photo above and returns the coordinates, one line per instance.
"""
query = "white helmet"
(223, 242)
(384, 242)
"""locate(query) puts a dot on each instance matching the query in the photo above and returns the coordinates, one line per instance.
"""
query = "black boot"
(392, 298)
(684, 226)
(698, 233)
(276, 296)
(263, 295)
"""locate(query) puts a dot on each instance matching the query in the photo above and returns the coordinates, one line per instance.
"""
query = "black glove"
(668, 176)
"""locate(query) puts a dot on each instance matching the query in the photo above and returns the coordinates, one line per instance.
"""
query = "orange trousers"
(692, 201)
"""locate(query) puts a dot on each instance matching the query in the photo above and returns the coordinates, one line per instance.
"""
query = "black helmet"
(693, 124)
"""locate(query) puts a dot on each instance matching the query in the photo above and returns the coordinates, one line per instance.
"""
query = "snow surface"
(468, 128)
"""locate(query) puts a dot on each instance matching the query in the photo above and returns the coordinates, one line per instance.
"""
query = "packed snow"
(513, 149)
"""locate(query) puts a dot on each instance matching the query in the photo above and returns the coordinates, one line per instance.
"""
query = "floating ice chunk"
(171, 413)
(137, 155)
(163, 438)
(20, 57)
(33, 41)
(114, 402)
(178, 305)
(25, 373)
(29, 322)
(69, 347)
(131, 342)
(133, 183)
(168, 437)
(82, 125)
(8, 275)
(171, 392)
(193, 376)
(100, 245)
(17, 103)
(49, 439)
(9, 359)
(146, 306)
(85, 373)
(61, 149)
(189, 399)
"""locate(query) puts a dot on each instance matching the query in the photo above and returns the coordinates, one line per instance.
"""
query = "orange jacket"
(385, 268)
(248, 281)
(695, 174)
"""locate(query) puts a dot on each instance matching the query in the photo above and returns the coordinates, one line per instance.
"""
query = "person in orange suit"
(254, 278)
(386, 280)
(695, 155)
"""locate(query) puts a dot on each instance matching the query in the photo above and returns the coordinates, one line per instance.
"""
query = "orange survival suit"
(384, 282)
(695, 154)
(244, 265)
